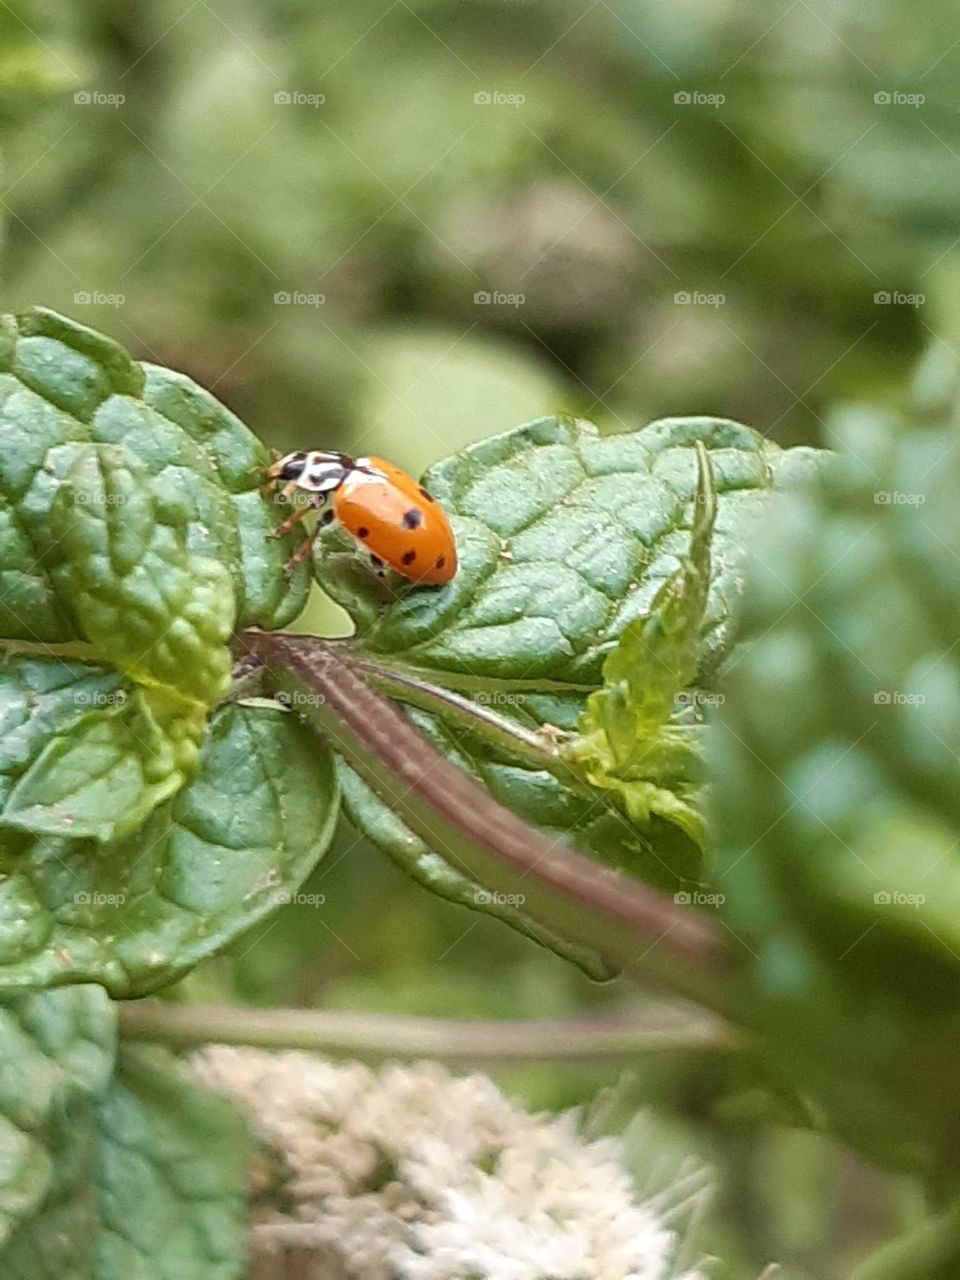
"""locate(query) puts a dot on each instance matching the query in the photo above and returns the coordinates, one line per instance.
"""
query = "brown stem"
(637, 927)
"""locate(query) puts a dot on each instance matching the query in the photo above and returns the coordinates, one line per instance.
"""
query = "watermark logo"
(97, 98)
(696, 98)
(97, 698)
(896, 98)
(895, 899)
(696, 898)
(499, 698)
(285, 898)
(299, 698)
(894, 498)
(84, 899)
(694, 298)
(495, 98)
(488, 898)
(897, 298)
(894, 698)
(494, 298)
(96, 298)
(295, 298)
(700, 698)
(297, 98)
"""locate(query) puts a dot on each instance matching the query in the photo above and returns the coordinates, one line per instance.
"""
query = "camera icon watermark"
(885, 898)
(696, 298)
(495, 98)
(897, 298)
(97, 298)
(297, 98)
(299, 698)
(95, 899)
(696, 98)
(496, 298)
(288, 898)
(697, 898)
(97, 698)
(296, 298)
(896, 698)
(896, 498)
(97, 98)
(489, 898)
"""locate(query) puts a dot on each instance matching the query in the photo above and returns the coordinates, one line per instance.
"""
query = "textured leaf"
(136, 912)
(172, 1178)
(566, 537)
(118, 557)
(134, 1175)
(838, 792)
(57, 1049)
(628, 745)
(101, 779)
(60, 384)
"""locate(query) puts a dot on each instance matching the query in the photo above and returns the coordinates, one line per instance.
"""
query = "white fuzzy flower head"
(414, 1174)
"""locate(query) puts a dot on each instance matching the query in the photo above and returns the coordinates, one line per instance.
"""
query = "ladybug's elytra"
(385, 510)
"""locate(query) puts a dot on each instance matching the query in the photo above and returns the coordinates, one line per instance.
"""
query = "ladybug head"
(318, 471)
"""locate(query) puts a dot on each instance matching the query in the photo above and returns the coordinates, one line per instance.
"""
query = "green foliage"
(108, 1175)
(837, 790)
(568, 539)
(133, 535)
(627, 744)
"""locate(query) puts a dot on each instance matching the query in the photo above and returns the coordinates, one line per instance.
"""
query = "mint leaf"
(118, 556)
(131, 1173)
(57, 1050)
(60, 384)
(136, 911)
(837, 791)
(627, 745)
(171, 1176)
(565, 536)
(100, 780)
(566, 540)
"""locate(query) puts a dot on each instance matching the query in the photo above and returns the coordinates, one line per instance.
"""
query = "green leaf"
(566, 537)
(627, 744)
(131, 1174)
(101, 779)
(63, 384)
(171, 1176)
(838, 792)
(118, 556)
(57, 1049)
(135, 912)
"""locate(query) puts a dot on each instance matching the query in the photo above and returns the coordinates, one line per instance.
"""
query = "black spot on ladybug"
(413, 518)
(363, 532)
(424, 494)
(441, 561)
(408, 557)
(327, 518)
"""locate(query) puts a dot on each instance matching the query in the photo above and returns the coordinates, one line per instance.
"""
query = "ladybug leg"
(301, 552)
(290, 523)
(378, 566)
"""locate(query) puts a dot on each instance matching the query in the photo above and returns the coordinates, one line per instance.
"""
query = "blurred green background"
(402, 225)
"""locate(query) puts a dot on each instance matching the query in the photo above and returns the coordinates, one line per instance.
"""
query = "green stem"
(475, 717)
(375, 1037)
(642, 931)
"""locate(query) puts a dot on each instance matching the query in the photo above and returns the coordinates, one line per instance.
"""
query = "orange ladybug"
(385, 510)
